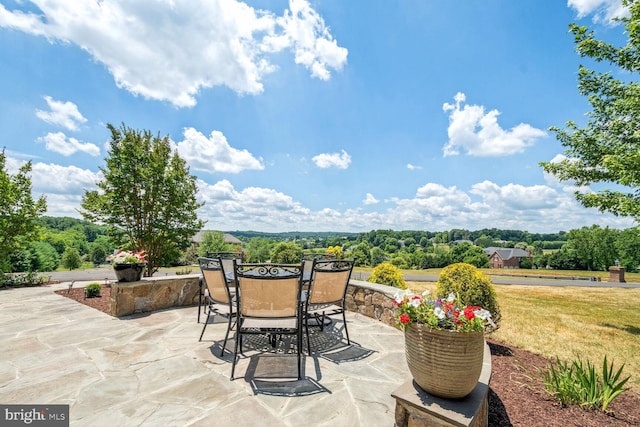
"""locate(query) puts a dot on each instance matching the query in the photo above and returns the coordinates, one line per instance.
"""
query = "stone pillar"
(616, 274)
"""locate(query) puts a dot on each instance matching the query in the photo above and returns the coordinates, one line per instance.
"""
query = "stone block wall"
(151, 294)
(372, 300)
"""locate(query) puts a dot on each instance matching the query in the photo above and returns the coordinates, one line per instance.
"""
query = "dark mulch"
(516, 397)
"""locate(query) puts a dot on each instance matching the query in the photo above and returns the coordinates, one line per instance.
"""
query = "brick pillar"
(616, 274)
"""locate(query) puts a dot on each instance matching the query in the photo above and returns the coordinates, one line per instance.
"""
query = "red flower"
(468, 312)
(404, 318)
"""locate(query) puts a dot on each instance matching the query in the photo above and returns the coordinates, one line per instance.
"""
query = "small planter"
(129, 272)
(444, 363)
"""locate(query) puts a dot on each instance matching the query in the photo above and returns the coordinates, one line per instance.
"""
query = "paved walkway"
(151, 370)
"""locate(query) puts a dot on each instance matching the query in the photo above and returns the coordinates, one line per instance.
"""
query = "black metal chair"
(268, 302)
(227, 262)
(219, 298)
(326, 295)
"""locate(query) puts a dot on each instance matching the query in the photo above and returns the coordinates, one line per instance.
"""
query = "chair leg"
(235, 352)
(299, 352)
(306, 327)
(205, 325)
(346, 331)
(226, 336)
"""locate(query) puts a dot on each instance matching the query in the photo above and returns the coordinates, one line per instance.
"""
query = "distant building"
(228, 238)
(506, 257)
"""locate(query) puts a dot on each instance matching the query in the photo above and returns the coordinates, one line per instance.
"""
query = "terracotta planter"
(444, 363)
(129, 272)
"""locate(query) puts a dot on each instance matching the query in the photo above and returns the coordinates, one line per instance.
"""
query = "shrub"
(286, 253)
(579, 383)
(92, 290)
(71, 259)
(388, 274)
(471, 287)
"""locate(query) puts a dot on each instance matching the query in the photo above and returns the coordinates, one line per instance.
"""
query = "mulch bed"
(516, 397)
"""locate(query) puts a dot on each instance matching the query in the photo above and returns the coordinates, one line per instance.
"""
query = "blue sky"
(315, 115)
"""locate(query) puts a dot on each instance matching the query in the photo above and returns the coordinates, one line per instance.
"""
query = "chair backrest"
(308, 259)
(268, 290)
(213, 274)
(227, 258)
(329, 280)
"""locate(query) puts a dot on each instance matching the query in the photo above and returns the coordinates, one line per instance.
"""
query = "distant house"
(228, 238)
(506, 257)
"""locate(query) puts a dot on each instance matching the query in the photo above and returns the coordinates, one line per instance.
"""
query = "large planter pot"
(129, 272)
(444, 363)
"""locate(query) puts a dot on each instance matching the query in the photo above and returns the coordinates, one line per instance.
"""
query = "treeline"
(69, 242)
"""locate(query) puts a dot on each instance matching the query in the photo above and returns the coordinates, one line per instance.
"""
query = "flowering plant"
(128, 257)
(440, 313)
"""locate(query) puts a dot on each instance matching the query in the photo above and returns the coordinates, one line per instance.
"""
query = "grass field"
(570, 322)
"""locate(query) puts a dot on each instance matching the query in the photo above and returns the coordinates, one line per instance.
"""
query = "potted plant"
(128, 265)
(444, 342)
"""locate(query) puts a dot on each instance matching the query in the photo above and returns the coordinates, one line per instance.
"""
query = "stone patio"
(150, 369)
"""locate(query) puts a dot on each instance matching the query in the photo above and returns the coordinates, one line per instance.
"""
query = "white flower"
(415, 302)
(483, 314)
(426, 293)
(399, 296)
(439, 312)
(451, 297)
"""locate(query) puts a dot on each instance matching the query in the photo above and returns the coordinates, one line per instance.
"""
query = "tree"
(606, 149)
(213, 241)
(147, 195)
(71, 259)
(259, 249)
(286, 253)
(18, 211)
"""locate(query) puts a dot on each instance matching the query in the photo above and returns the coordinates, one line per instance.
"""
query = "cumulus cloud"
(214, 154)
(65, 114)
(370, 200)
(171, 50)
(59, 143)
(603, 10)
(339, 160)
(479, 134)
(68, 179)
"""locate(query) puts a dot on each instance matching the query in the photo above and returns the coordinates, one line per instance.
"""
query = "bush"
(579, 383)
(92, 290)
(286, 253)
(71, 259)
(471, 287)
(388, 274)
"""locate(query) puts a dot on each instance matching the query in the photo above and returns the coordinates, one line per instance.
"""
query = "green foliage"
(92, 290)
(43, 257)
(71, 259)
(361, 254)
(606, 149)
(258, 249)
(286, 253)
(98, 255)
(468, 253)
(388, 274)
(213, 241)
(19, 280)
(377, 256)
(470, 286)
(147, 194)
(18, 211)
(579, 383)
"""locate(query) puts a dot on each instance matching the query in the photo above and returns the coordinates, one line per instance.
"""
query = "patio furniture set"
(273, 300)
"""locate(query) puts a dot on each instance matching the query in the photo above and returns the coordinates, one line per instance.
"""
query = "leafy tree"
(628, 248)
(484, 241)
(71, 259)
(18, 211)
(258, 249)
(377, 256)
(287, 253)
(361, 254)
(147, 194)
(606, 149)
(43, 257)
(213, 241)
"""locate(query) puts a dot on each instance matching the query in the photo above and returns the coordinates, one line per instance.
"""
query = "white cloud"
(479, 134)
(413, 167)
(327, 160)
(603, 10)
(69, 180)
(370, 200)
(214, 154)
(170, 50)
(65, 114)
(58, 142)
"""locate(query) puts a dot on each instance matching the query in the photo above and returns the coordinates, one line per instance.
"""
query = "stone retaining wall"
(150, 294)
(372, 300)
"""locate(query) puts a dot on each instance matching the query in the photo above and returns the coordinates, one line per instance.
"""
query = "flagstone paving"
(150, 369)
